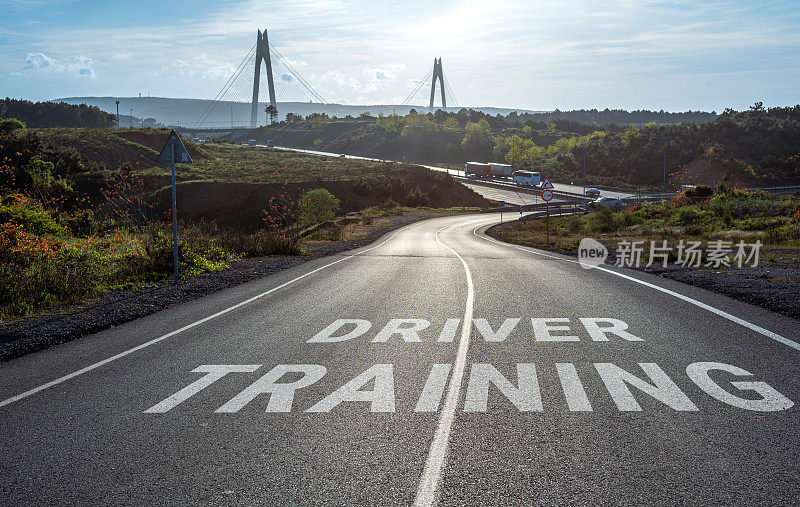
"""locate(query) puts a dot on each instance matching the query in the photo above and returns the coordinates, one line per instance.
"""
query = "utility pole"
(117, 113)
(174, 219)
(665, 164)
(131, 120)
(584, 170)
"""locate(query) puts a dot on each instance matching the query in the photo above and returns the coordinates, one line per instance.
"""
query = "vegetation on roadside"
(699, 214)
(757, 147)
(83, 210)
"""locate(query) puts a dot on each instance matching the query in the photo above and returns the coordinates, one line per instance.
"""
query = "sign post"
(174, 152)
(501, 203)
(547, 194)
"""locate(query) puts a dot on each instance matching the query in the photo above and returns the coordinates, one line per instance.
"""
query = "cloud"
(43, 62)
(337, 77)
(296, 63)
(121, 57)
(413, 83)
(200, 67)
(287, 78)
(381, 77)
(81, 66)
(223, 71)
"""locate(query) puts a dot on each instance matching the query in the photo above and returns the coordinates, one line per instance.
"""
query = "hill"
(55, 114)
(757, 147)
(185, 112)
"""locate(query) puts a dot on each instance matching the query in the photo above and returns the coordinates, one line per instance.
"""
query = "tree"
(317, 206)
(293, 118)
(272, 111)
(478, 140)
(9, 125)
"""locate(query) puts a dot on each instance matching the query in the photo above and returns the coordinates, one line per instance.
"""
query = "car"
(606, 201)
(592, 191)
(341, 155)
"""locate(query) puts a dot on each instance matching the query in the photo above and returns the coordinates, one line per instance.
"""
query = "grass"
(729, 216)
(213, 162)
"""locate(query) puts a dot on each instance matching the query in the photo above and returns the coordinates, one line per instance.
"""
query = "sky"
(539, 55)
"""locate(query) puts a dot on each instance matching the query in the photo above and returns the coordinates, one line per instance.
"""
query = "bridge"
(238, 108)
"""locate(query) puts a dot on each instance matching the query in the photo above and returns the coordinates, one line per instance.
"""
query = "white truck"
(501, 169)
(527, 178)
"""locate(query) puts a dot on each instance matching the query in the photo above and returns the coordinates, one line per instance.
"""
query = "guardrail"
(572, 206)
(524, 190)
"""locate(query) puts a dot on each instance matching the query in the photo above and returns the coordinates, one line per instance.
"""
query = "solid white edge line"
(699, 304)
(98, 364)
(434, 464)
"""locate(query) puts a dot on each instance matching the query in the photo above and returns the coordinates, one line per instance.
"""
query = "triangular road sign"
(181, 155)
(546, 183)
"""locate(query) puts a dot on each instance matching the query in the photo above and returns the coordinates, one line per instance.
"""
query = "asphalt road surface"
(511, 196)
(565, 385)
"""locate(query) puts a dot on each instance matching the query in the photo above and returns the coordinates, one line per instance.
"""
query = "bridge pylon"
(262, 53)
(437, 74)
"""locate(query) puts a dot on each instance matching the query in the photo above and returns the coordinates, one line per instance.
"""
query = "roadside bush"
(10, 125)
(35, 272)
(318, 205)
(601, 220)
(685, 216)
(699, 192)
(29, 214)
(258, 244)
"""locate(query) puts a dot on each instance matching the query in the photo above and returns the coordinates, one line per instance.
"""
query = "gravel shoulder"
(118, 307)
(774, 284)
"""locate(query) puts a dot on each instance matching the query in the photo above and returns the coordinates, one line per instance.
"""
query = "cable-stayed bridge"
(265, 87)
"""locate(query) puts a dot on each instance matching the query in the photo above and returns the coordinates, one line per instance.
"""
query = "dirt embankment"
(241, 205)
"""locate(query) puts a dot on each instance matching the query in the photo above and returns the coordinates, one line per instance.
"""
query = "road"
(559, 187)
(303, 388)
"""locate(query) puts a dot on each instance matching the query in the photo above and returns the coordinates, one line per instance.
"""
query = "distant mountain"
(187, 112)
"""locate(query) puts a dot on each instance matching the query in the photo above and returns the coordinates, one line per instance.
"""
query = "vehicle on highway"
(605, 201)
(341, 155)
(592, 191)
(527, 178)
(478, 169)
(252, 142)
(501, 170)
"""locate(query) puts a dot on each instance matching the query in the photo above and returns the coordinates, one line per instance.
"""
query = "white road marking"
(161, 338)
(434, 465)
(704, 306)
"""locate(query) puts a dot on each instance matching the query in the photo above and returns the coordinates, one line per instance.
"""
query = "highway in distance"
(435, 366)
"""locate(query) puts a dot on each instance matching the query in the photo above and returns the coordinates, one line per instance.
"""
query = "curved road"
(488, 192)
(565, 386)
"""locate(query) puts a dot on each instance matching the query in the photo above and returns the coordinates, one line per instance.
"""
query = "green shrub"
(10, 125)
(601, 220)
(700, 192)
(29, 214)
(68, 275)
(318, 205)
